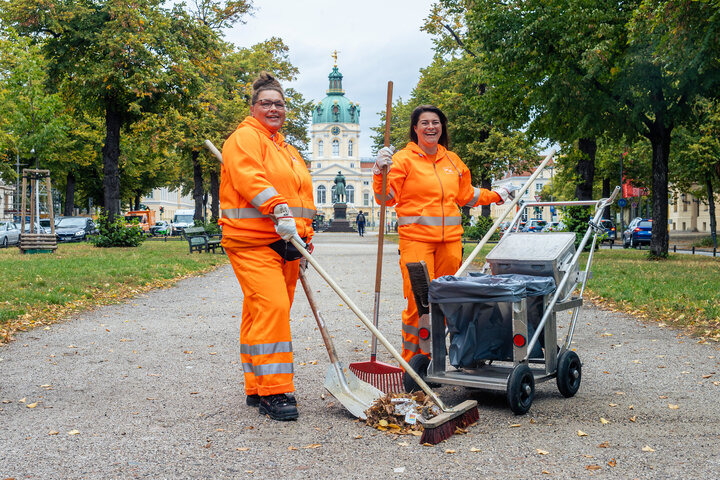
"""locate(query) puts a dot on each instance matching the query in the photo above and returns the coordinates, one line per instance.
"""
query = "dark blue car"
(638, 232)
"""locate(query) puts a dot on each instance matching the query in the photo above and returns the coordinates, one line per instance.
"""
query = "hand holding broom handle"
(381, 229)
(499, 220)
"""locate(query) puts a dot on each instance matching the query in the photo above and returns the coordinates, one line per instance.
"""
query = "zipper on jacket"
(299, 182)
(442, 199)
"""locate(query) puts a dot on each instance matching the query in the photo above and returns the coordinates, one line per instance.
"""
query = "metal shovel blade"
(354, 394)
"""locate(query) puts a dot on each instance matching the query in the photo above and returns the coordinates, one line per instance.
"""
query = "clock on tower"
(335, 130)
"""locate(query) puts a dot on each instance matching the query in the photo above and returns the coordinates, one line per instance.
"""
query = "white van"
(182, 220)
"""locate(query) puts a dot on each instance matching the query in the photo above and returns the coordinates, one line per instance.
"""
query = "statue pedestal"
(340, 222)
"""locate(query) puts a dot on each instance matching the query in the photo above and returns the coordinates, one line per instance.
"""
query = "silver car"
(9, 234)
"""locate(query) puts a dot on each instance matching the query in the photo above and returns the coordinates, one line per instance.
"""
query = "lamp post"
(622, 187)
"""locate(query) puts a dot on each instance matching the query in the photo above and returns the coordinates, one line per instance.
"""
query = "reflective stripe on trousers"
(429, 221)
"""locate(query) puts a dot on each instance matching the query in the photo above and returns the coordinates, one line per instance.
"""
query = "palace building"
(335, 147)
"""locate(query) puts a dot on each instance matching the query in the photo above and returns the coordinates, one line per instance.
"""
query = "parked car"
(161, 227)
(534, 225)
(38, 228)
(9, 234)
(75, 229)
(555, 226)
(610, 232)
(638, 232)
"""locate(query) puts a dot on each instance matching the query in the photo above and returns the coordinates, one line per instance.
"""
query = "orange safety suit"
(259, 172)
(427, 192)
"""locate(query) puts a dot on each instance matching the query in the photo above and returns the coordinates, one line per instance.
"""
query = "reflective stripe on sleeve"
(301, 212)
(263, 197)
(389, 194)
(242, 213)
(474, 199)
(429, 221)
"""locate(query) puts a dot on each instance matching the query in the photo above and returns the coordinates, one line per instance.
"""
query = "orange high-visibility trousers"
(265, 340)
(442, 258)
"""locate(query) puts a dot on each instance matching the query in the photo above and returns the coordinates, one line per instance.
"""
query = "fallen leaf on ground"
(671, 406)
(31, 405)
(473, 449)
(292, 448)
(648, 448)
(582, 434)
(593, 467)
(74, 432)
(242, 449)
(450, 451)
(313, 445)
(604, 421)
(604, 445)
(612, 462)
(545, 472)
(515, 425)
(633, 418)
(53, 432)
(541, 451)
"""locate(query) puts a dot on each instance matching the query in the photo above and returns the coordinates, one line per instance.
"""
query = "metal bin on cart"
(502, 328)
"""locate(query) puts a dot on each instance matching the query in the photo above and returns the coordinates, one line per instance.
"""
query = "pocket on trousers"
(286, 250)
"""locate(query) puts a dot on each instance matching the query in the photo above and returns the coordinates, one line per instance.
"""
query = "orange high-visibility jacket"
(427, 194)
(259, 172)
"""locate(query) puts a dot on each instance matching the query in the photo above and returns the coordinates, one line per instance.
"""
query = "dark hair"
(265, 81)
(415, 118)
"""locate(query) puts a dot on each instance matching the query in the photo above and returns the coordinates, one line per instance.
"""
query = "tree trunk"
(137, 202)
(485, 182)
(215, 194)
(660, 140)
(585, 169)
(711, 204)
(69, 195)
(198, 190)
(111, 156)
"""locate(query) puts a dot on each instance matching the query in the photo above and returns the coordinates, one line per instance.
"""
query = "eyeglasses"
(267, 104)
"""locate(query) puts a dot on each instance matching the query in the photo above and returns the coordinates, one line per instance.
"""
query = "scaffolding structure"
(34, 241)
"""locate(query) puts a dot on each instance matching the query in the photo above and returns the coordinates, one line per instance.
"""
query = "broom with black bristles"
(436, 429)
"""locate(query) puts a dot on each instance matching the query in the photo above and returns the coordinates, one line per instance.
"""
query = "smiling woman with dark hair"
(427, 184)
(266, 198)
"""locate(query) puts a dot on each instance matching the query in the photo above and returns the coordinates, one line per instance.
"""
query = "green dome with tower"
(336, 108)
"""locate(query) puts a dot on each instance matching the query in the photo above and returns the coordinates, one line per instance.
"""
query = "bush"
(704, 242)
(576, 220)
(481, 227)
(211, 227)
(116, 234)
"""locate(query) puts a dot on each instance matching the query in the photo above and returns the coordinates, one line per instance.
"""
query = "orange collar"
(252, 122)
(413, 147)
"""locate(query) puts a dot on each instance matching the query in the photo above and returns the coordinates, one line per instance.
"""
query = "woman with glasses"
(427, 184)
(266, 198)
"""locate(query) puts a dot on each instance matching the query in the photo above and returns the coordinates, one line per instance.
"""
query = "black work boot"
(254, 400)
(278, 407)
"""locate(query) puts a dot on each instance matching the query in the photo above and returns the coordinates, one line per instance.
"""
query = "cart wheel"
(520, 389)
(419, 363)
(569, 373)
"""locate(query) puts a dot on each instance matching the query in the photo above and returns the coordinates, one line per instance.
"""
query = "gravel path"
(153, 389)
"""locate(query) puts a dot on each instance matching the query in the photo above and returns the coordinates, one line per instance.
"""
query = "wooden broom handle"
(383, 194)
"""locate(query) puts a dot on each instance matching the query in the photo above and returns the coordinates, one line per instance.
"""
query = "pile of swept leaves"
(401, 413)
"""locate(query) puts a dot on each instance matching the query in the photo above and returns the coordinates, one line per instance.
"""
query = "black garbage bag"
(478, 311)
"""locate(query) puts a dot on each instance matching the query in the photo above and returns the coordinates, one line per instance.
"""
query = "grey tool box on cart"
(499, 332)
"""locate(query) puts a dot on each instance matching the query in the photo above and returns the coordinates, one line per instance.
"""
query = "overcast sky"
(376, 41)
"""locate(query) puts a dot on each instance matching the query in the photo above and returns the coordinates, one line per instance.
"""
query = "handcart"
(498, 328)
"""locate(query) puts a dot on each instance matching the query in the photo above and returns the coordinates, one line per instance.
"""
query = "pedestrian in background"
(266, 197)
(428, 184)
(360, 220)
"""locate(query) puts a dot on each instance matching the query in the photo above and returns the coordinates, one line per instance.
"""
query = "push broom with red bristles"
(383, 376)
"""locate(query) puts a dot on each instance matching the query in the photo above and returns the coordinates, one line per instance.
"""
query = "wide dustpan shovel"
(387, 378)
(354, 394)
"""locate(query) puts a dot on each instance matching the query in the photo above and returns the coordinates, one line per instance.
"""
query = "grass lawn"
(38, 289)
(683, 291)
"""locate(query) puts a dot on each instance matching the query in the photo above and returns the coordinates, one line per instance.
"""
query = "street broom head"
(384, 377)
(442, 427)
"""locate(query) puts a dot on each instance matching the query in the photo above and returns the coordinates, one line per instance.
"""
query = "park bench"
(201, 241)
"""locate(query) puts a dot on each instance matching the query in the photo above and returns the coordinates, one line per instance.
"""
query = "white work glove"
(506, 192)
(384, 158)
(285, 226)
